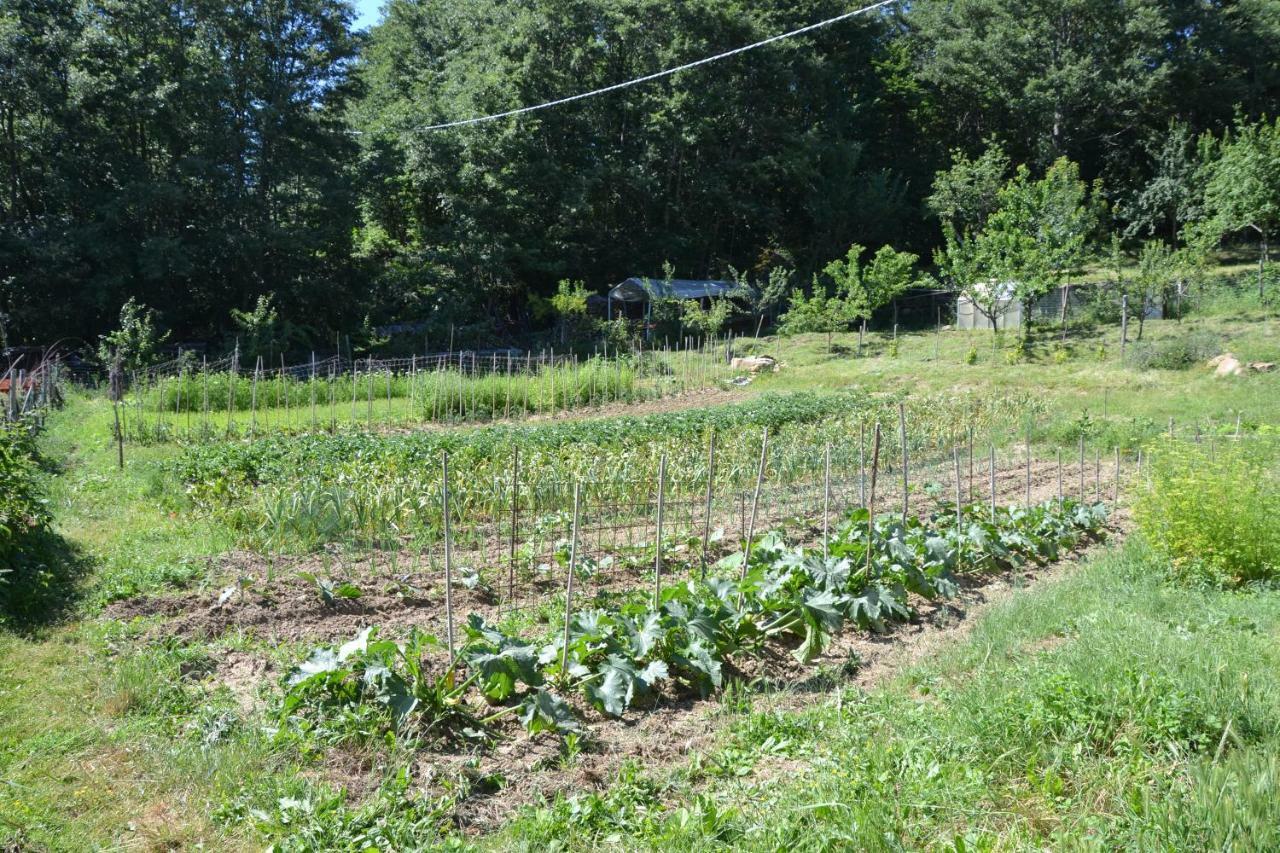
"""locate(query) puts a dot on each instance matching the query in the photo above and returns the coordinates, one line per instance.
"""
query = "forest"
(205, 159)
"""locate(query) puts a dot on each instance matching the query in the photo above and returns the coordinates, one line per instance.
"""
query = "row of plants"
(442, 394)
(686, 641)
(200, 405)
(614, 458)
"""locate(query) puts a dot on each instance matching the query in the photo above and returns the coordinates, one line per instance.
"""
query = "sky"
(366, 12)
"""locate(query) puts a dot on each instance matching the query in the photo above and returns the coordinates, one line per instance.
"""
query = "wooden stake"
(1081, 469)
(568, 585)
(515, 504)
(871, 499)
(902, 437)
(706, 520)
(448, 553)
(1028, 498)
(992, 471)
(1060, 495)
(1115, 482)
(862, 463)
(755, 503)
(826, 501)
(657, 548)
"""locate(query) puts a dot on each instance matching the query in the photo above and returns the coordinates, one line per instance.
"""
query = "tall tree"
(1242, 186)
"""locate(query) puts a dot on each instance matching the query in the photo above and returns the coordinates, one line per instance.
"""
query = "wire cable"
(659, 74)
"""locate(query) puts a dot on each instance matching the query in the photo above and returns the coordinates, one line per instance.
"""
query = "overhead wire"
(658, 74)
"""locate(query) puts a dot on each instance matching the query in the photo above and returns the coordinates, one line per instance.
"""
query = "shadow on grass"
(43, 584)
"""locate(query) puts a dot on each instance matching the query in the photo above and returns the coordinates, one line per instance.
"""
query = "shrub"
(23, 515)
(1176, 353)
(1212, 511)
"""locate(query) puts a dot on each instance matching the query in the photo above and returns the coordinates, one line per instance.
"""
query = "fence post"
(902, 436)
(568, 586)
(991, 466)
(706, 522)
(448, 553)
(657, 548)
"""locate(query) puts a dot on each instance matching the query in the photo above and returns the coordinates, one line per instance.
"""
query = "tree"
(707, 321)
(967, 193)
(1035, 234)
(256, 329)
(135, 343)
(1242, 186)
(1157, 265)
(570, 304)
(819, 311)
(1174, 194)
(887, 277)
(765, 294)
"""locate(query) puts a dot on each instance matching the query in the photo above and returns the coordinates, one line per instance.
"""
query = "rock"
(753, 363)
(1229, 366)
(1262, 366)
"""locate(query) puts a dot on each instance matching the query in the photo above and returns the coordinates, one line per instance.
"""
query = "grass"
(1091, 377)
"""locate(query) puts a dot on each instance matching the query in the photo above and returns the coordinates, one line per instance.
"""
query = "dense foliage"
(1211, 509)
(199, 157)
(23, 513)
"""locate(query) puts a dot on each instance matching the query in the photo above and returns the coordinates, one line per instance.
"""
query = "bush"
(1212, 511)
(23, 514)
(1176, 353)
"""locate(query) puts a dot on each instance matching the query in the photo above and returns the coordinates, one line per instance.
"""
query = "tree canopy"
(197, 157)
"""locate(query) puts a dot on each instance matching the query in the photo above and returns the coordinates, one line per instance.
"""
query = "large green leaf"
(542, 711)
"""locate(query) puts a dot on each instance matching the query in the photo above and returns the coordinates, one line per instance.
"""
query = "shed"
(645, 290)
